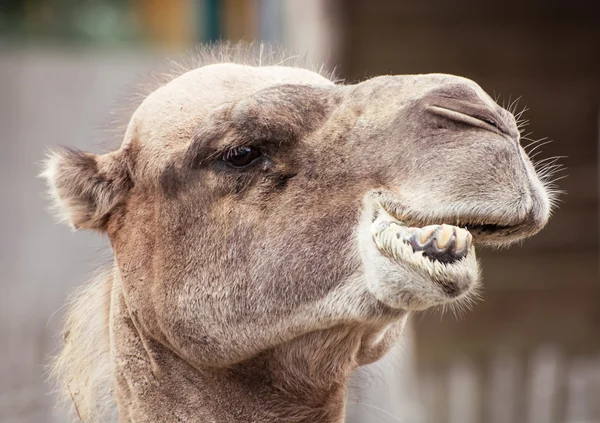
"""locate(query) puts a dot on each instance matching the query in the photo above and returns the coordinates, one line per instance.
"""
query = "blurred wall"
(48, 98)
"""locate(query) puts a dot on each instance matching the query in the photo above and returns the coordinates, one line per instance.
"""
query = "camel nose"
(468, 105)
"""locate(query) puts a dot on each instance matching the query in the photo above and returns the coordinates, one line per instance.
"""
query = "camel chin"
(415, 268)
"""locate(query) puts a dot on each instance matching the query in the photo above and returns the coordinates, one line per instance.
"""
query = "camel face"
(452, 174)
(245, 200)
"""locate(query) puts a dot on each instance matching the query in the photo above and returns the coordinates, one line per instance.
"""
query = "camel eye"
(241, 157)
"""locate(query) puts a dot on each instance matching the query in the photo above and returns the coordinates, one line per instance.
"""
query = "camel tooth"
(461, 239)
(443, 236)
(426, 232)
(469, 240)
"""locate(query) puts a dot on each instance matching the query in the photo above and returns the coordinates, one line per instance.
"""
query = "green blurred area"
(99, 22)
(110, 23)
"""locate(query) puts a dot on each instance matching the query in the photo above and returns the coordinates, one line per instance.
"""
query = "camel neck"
(287, 384)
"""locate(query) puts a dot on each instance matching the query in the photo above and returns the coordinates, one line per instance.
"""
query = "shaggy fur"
(84, 366)
(251, 293)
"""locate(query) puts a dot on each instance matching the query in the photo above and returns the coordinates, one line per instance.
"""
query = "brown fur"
(251, 295)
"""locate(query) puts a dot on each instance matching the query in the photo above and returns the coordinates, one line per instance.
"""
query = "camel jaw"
(415, 268)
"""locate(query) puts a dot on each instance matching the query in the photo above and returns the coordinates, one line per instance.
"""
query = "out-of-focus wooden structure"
(546, 293)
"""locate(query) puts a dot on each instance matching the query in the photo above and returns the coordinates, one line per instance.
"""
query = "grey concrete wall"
(46, 98)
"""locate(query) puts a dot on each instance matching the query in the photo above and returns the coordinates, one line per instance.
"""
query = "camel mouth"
(439, 243)
(415, 260)
(427, 260)
(418, 267)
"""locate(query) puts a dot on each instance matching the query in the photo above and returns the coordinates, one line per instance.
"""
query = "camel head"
(259, 211)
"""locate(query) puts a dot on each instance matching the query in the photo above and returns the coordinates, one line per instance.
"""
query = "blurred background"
(529, 352)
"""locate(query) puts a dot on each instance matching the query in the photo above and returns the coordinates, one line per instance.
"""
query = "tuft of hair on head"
(85, 188)
(242, 53)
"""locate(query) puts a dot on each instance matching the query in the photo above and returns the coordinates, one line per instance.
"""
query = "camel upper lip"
(479, 226)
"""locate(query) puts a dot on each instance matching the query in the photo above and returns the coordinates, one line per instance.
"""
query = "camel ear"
(85, 187)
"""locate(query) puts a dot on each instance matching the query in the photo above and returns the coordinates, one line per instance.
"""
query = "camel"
(272, 230)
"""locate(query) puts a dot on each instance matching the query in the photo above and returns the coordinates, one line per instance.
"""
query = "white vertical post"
(542, 387)
(579, 387)
(503, 389)
(463, 393)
